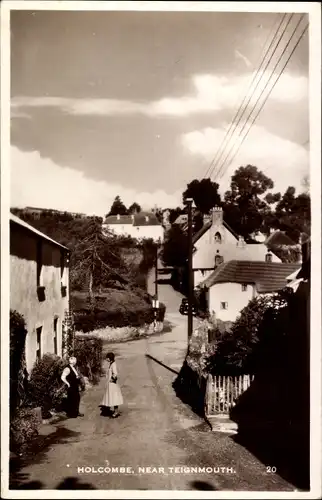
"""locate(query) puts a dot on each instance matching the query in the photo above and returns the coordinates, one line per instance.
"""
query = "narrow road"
(155, 433)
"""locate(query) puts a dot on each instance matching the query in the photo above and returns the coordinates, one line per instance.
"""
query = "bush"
(89, 353)
(88, 320)
(18, 372)
(114, 308)
(45, 388)
(23, 427)
(240, 350)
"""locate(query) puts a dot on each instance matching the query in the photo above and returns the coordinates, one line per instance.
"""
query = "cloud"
(285, 162)
(211, 94)
(37, 181)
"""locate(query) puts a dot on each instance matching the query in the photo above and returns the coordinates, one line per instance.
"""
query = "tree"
(174, 214)
(175, 248)
(294, 213)
(118, 207)
(134, 208)
(244, 207)
(259, 328)
(204, 194)
(97, 259)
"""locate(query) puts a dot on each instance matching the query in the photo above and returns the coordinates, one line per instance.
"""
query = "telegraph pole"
(156, 272)
(190, 270)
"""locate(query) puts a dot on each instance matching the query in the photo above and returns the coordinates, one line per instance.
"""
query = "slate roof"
(16, 220)
(267, 276)
(124, 219)
(138, 219)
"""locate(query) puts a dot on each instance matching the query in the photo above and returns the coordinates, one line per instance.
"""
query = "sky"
(136, 104)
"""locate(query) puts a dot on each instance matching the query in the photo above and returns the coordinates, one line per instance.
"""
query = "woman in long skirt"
(113, 397)
(72, 378)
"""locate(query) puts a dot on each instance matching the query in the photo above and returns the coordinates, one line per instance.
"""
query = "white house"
(233, 284)
(139, 225)
(39, 288)
(216, 242)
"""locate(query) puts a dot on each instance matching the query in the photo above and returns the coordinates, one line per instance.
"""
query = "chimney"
(206, 218)
(241, 242)
(118, 216)
(217, 216)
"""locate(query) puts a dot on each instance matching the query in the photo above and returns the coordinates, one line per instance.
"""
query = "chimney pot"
(217, 216)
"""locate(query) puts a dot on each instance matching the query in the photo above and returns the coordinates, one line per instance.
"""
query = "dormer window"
(269, 257)
(217, 237)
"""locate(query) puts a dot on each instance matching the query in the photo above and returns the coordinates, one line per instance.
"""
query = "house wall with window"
(218, 243)
(39, 288)
(226, 300)
(142, 225)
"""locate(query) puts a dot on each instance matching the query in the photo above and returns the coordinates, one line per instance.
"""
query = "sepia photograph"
(161, 213)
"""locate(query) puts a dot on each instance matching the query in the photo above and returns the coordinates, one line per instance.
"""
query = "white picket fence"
(223, 391)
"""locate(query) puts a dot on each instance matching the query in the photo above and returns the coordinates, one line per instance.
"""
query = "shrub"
(115, 308)
(89, 353)
(46, 388)
(18, 372)
(240, 349)
(23, 427)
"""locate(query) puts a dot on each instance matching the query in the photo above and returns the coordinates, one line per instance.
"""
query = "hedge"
(18, 372)
(87, 319)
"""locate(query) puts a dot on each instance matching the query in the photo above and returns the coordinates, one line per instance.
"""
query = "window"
(268, 257)
(223, 305)
(217, 238)
(244, 288)
(39, 263)
(55, 335)
(218, 259)
(38, 345)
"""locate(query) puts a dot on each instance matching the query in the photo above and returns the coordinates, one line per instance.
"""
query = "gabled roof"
(201, 232)
(16, 220)
(138, 219)
(279, 238)
(123, 219)
(266, 276)
(207, 226)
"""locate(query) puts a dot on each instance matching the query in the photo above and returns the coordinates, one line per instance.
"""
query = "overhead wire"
(257, 86)
(219, 172)
(262, 59)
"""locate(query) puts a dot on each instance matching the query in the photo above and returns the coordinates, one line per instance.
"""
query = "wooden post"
(156, 273)
(190, 270)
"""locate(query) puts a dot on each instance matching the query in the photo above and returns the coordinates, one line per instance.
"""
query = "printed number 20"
(270, 469)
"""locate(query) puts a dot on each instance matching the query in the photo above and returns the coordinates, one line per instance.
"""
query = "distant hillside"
(122, 261)
(65, 227)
